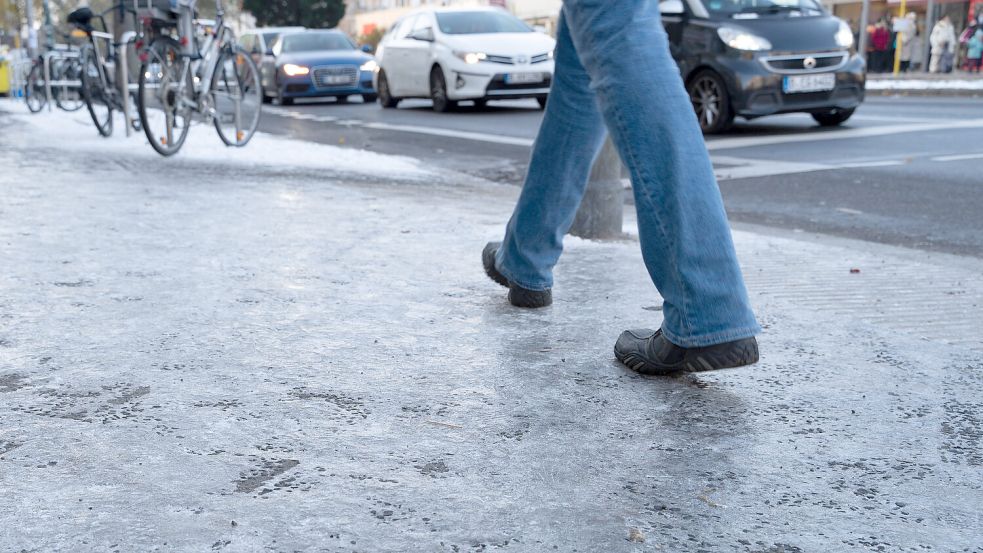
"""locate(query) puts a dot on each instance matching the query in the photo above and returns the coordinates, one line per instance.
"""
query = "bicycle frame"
(201, 61)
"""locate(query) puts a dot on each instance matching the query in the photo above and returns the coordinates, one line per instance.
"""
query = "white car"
(450, 55)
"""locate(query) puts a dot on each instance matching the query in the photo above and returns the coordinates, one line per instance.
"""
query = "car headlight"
(293, 70)
(471, 57)
(370, 65)
(844, 36)
(742, 40)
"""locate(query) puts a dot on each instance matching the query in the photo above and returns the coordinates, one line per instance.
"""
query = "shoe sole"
(741, 356)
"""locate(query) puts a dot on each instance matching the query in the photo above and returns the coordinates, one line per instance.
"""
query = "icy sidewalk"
(234, 356)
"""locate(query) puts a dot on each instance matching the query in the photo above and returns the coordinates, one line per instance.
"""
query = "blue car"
(317, 64)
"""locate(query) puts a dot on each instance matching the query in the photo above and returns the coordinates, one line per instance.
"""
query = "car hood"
(325, 57)
(501, 44)
(792, 34)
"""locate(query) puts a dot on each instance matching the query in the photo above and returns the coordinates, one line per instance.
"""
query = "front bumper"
(757, 91)
(304, 86)
(488, 81)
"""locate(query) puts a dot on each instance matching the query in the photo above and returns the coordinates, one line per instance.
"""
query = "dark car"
(752, 58)
(312, 64)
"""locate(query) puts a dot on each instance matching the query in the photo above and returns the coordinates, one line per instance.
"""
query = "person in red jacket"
(880, 41)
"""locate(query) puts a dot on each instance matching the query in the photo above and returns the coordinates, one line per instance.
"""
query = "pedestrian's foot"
(518, 296)
(649, 352)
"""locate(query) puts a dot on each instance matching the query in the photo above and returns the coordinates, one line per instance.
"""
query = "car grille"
(805, 63)
(509, 60)
(336, 76)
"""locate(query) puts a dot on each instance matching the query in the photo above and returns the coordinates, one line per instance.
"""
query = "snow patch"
(75, 132)
(920, 84)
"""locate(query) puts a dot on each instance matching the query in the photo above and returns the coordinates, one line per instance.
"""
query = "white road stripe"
(960, 157)
(858, 164)
(749, 142)
(449, 133)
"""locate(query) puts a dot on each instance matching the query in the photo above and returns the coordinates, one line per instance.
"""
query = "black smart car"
(761, 57)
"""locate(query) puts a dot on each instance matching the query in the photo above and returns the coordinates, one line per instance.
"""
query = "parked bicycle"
(99, 60)
(65, 80)
(204, 76)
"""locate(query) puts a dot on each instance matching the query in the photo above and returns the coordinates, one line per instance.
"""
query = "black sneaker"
(518, 296)
(649, 352)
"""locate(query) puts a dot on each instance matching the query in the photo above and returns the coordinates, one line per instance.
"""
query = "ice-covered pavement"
(216, 352)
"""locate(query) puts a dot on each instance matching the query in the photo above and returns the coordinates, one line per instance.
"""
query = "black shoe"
(518, 296)
(649, 352)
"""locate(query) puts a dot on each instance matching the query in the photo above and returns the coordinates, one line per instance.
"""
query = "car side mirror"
(367, 48)
(425, 34)
(671, 7)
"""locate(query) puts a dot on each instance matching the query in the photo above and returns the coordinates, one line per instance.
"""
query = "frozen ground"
(215, 353)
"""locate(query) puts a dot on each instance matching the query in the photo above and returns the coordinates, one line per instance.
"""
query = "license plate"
(523, 78)
(337, 79)
(809, 83)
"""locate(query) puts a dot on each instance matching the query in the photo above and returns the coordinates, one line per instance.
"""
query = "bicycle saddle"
(82, 17)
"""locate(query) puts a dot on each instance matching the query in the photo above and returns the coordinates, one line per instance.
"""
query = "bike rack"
(127, 38)
(62, 53)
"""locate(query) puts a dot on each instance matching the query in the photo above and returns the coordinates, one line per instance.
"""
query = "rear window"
(310, 42)
(480, 22)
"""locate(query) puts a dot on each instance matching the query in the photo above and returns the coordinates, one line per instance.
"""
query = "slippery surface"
(203, 355)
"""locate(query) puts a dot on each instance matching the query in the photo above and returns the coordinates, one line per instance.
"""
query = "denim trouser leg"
(571, 135)
(685, 239)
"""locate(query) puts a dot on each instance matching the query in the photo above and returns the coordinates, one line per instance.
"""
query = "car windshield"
(480, 22)
(732, 7)
(309, 42)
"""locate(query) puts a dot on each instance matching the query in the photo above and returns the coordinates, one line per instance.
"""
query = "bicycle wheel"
(68, 97)
(162, 100)
(237, 96)
(95, 94)
(34, 93)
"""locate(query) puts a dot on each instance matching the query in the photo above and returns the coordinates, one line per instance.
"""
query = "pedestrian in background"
(974, 51)
(907, 37)
(614, 74)
(943, 42)
(880, 40)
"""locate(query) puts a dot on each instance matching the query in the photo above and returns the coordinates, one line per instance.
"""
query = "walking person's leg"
(685, 238)
(569, 139)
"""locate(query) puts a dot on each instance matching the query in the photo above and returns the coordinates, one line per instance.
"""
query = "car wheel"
(286, 101)
(542, 101)
(481, 103)
(711, 101)
(832, 117)
(370, 98)
(385, 96)
(438, 92)
(342, 99)
(267, 99)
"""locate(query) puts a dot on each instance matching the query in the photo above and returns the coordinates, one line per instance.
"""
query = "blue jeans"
(614, 73)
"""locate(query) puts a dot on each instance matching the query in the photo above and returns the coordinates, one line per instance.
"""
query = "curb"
(923, 92)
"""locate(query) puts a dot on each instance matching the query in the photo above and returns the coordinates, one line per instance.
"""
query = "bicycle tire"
(157, 73)
(68, 98)
(100, 107)
(34, 94)
(246, 73)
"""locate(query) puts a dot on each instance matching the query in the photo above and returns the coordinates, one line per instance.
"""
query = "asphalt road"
(904, 171)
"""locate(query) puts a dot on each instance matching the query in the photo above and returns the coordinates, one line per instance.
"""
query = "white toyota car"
(450, 55)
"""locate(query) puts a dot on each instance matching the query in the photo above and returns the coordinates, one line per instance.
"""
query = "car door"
(420, 43)
(394, 55)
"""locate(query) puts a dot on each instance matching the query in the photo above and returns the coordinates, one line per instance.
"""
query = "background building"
(365, 16)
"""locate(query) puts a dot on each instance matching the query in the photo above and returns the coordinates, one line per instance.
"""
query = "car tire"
(711, 101)
(438, 91)
(370, 98)
(267, 99)
(343, 99)
(542, 101)
(385, 96)
(832, 117)
(286, 101)
(480, 103)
